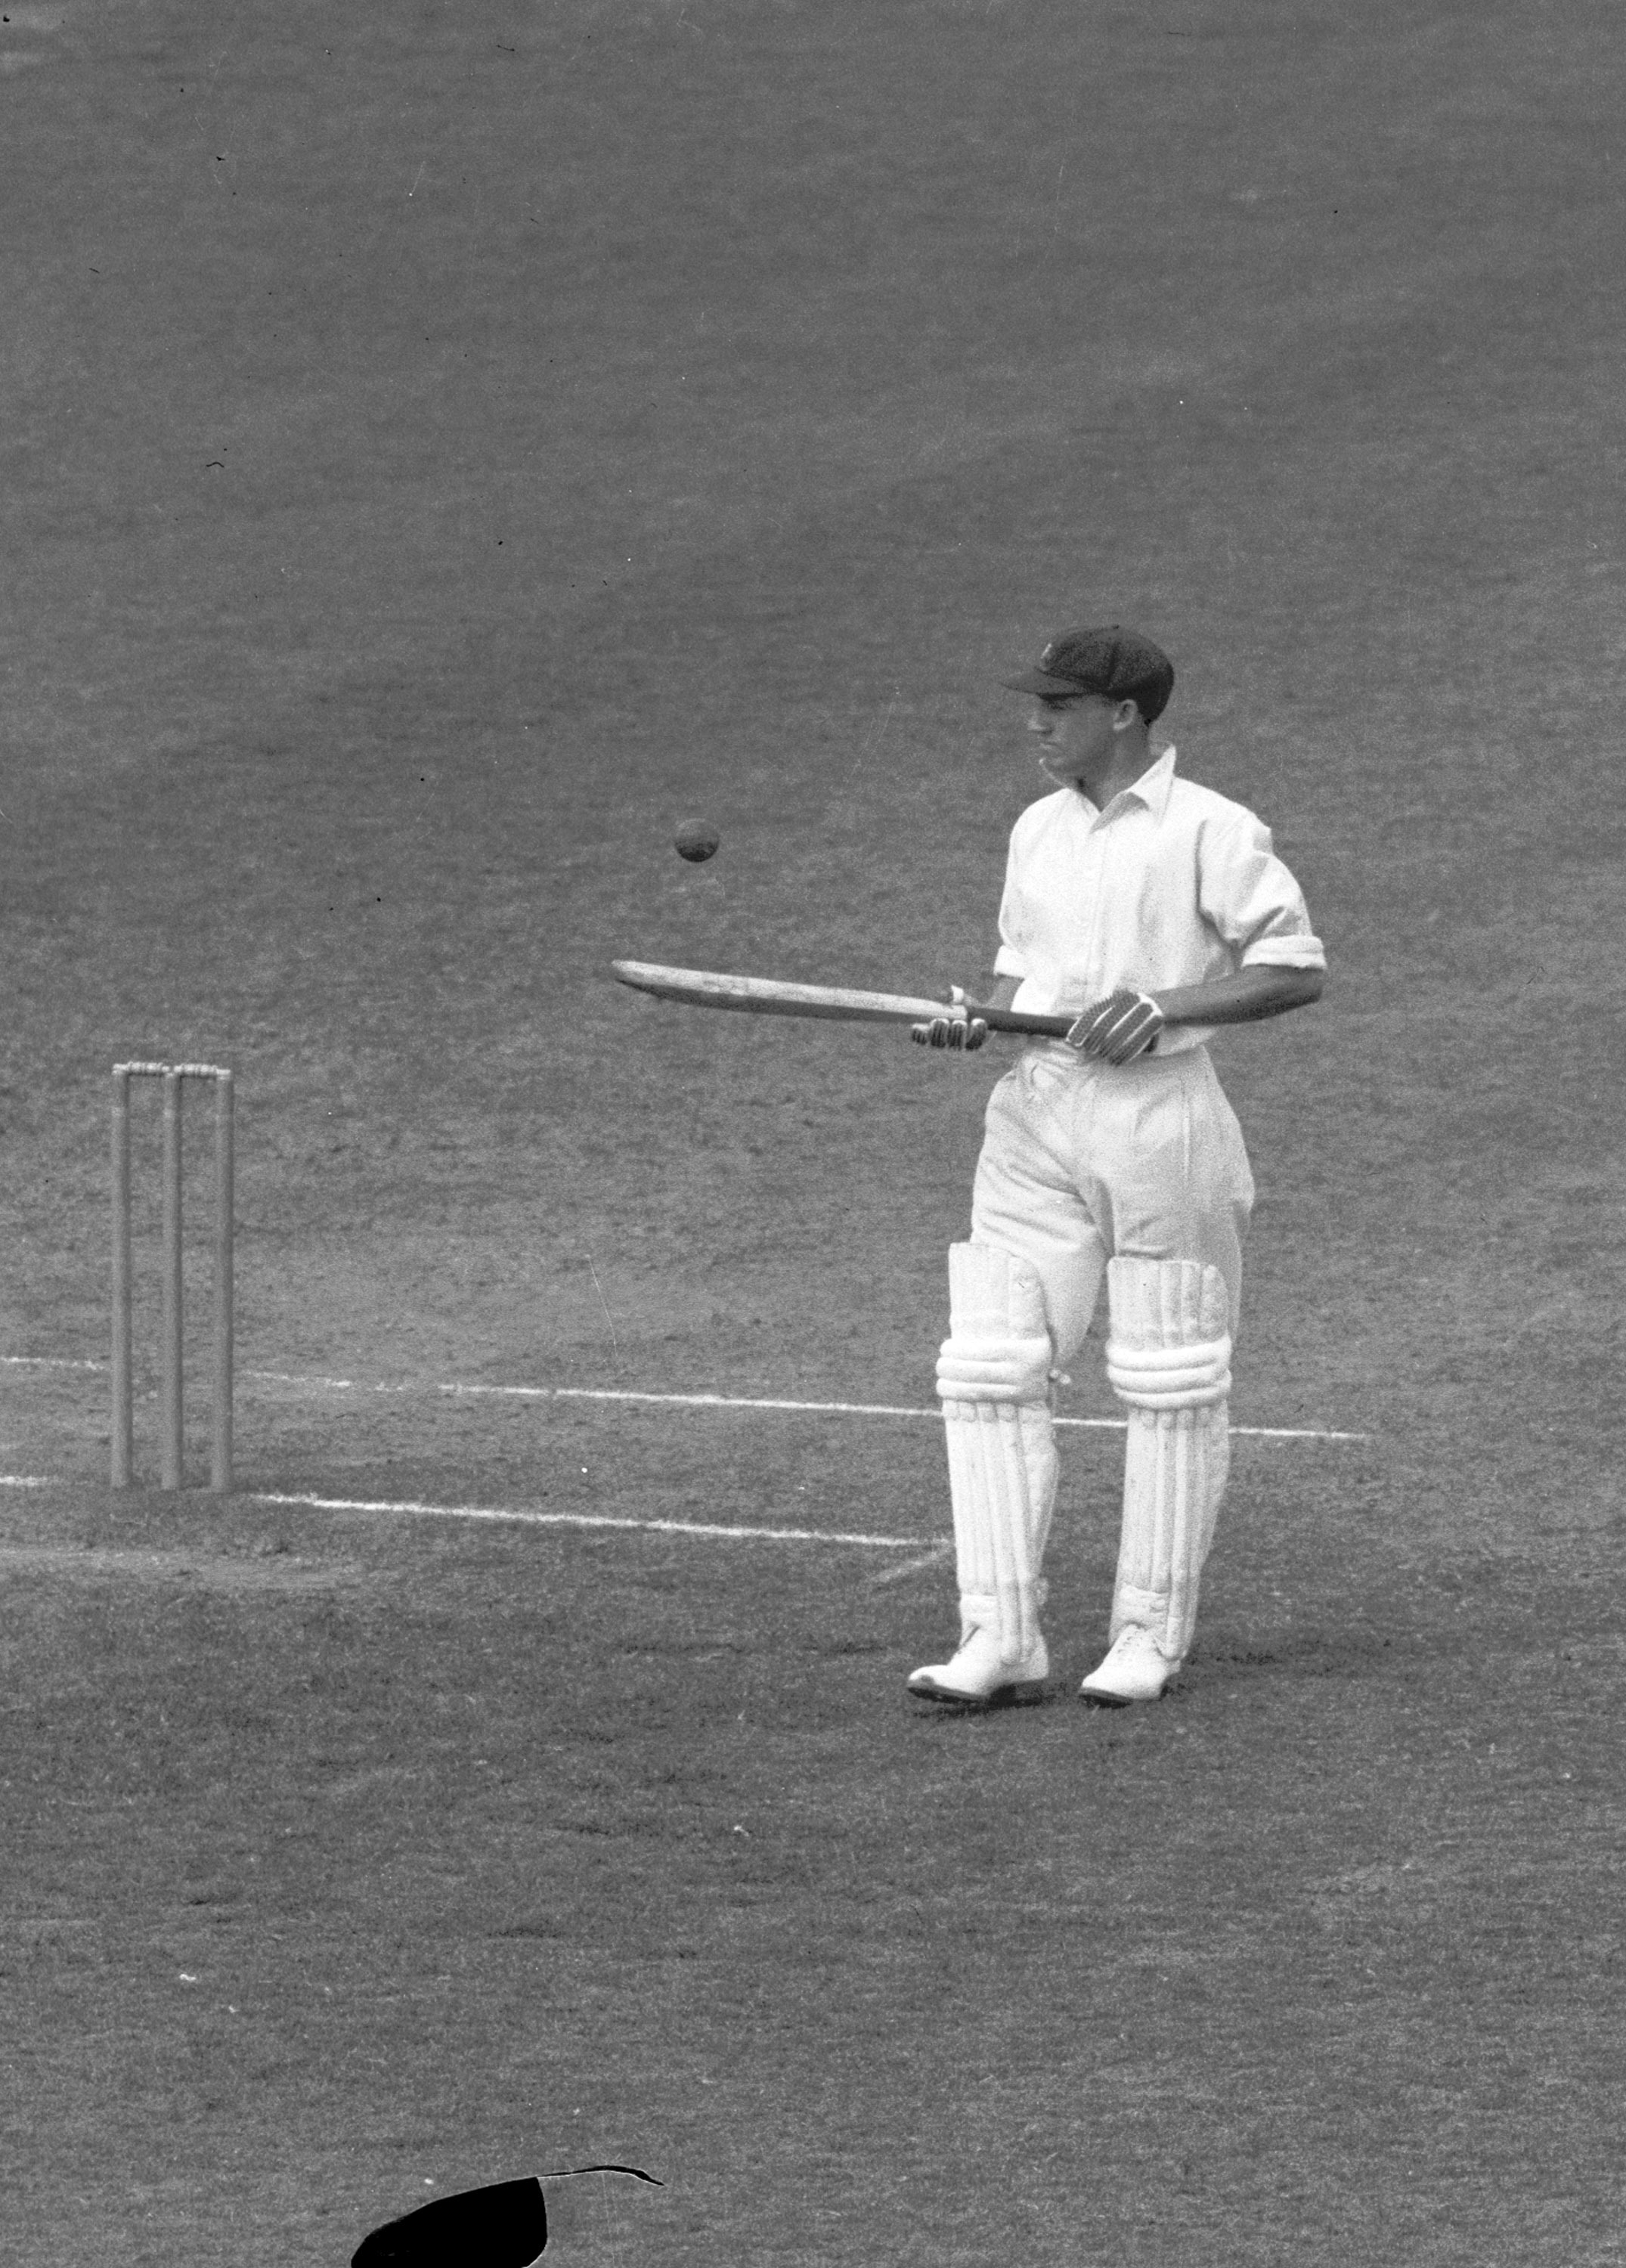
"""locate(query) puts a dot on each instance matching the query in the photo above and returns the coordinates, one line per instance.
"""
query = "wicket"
(171, 1429)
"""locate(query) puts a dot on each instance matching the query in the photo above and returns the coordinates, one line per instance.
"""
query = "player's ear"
(1125, 714)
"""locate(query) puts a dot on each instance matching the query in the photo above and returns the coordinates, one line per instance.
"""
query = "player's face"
(1077, 742)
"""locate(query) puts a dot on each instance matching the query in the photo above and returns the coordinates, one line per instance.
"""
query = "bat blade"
(766, 995)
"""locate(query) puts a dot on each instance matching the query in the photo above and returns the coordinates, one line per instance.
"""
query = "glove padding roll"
(962, 1029)
(1117, 1029)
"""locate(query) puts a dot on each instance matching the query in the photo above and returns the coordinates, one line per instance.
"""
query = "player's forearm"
(1246, 997)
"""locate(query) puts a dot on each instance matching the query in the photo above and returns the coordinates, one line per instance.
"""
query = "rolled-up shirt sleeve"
(1252, 900)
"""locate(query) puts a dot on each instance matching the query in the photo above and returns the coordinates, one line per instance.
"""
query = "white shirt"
(1171, 884)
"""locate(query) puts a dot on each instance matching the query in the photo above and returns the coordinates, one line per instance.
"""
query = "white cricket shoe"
(1136, 1669)
(981, 1677)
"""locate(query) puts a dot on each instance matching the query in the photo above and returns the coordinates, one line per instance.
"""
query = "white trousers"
(1084, 1160)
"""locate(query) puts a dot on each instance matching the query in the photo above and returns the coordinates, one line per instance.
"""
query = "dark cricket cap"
(1117, 662)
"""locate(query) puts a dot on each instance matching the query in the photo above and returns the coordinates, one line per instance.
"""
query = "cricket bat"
(766, 995)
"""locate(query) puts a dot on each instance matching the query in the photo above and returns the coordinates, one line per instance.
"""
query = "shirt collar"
(1152, 789)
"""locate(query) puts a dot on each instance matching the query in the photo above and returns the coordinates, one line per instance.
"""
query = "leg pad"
(1168, 1359)
(993, 1379)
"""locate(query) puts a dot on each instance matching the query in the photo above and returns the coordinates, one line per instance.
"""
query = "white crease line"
(592, 1520)
(681, 1400)
(935, 1550)
(749, 1401)
(48, 1362)
(932, 1559)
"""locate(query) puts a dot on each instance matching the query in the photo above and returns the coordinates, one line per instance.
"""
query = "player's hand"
(1118, 1028)
(962, 1029)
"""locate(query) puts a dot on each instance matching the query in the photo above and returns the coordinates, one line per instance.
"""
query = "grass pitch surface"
(449, 447)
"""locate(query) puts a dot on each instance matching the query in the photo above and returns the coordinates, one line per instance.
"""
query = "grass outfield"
(447, 447)
(361, 1853)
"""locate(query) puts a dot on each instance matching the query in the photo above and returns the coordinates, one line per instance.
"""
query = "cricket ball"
(696, 840)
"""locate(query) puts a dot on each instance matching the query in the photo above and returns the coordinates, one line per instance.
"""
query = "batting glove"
(961, 1030)
(1118, 1028)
